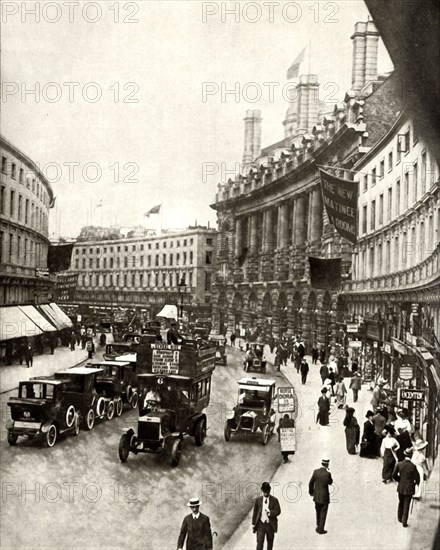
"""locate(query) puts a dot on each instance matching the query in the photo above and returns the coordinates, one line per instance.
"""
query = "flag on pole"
(154, 210)
(293, 70)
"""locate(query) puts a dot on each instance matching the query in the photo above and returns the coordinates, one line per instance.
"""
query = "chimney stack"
(252, 137)
(308, 103)
(365, 48)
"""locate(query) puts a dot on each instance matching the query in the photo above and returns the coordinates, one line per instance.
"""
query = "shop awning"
(50, 314)
(168, 312)
(15, 324)
(37, 318)
(61, 316)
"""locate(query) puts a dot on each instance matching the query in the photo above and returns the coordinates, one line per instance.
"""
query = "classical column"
(252, 234)
(315, 208)
(283, 225)
(238, 236)
(268, 240)
(299, 225)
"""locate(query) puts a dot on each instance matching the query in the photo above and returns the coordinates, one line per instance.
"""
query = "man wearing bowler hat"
(265, 517)
(318, 489)
(408, 477)
(196, 528)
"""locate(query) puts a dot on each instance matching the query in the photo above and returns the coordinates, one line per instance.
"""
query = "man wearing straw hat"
(196, 528)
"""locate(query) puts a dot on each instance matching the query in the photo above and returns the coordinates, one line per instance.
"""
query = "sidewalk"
(44, 365)
(363, 511)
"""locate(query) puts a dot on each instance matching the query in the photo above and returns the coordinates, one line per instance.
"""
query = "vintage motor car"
(254, 360)
(117, 383)
(254, 412)
(82, 391)
(44, 408)
(220, 352)
(119, 348)
(174, 396)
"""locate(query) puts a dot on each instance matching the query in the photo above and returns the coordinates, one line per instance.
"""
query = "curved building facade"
(25, 199)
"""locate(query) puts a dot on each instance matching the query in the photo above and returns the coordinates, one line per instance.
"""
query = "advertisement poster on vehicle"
(286, 400)
(165, 360)
(288, 439)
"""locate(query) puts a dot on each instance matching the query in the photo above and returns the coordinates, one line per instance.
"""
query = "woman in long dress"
(341, 392)
(324, 408)
(368, 445)
(352, 431)
(388, 450)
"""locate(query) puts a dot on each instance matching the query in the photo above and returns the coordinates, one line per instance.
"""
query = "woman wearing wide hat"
(388, 450)
(419, 460)
(368, 444)
(352, 431)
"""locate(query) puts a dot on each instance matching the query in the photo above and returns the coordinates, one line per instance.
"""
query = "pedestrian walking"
(352, 431)
(323, 372)
(72, 341)
(419, 460)
(379, 394)
(285, 422)
(408, 478)
(89, 348)
(355, 385)
(233, 338)
(323, 408)
(369, 442)
(379, 422)
(304, 368)
(341, 393)
(388, 450)
(22, 350)
(318, 489)
(332, 378)
(404, 430)
(196, 529)
(322, 355)
(265, 517)
(52, 343)
(315, 355)
(29, 356)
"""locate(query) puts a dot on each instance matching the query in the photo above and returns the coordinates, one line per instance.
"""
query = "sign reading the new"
(411, 395)
(340, 199)
(165, 359)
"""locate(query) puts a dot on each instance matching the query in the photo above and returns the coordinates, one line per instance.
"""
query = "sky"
(126, 104)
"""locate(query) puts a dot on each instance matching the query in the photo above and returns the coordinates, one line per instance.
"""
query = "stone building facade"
(25, 199)
(145, 273)
(271, 217)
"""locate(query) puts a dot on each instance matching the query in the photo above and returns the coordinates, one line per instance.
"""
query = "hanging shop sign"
(387, 348)
(406, 366)
(405, 394)
(398, 346)
(355, 344)
(352, 327)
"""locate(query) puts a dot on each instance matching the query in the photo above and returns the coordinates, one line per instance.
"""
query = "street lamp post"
(182, 289)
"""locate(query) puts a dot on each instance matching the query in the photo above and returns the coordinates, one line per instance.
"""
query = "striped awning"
(14, 323)
(35, 316)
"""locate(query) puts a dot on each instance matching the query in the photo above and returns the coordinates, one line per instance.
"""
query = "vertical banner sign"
(286, 400)
(340, 199)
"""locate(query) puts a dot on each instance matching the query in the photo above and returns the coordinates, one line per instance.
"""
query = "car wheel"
(200, 433)
(266, 433)
(100, 407)
(129, 393)
(51, 436)
(134, 400)
(110, 410)
(70, 416)
(119, 407)
(90, 419)
(76, 425)
(227, 431)
(124, 448)
(176, 452)
(12, 438)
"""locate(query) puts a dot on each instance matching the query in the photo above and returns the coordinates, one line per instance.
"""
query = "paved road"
(79, 495)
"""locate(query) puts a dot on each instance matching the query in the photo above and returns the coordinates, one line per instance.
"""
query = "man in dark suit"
(318, 489)
(196, 528)
(408, 477)
(264, 519)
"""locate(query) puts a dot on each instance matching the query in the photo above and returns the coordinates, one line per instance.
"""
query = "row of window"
(141, 247)
(16, 250)
(396, 200)
(139, 261)
(31, 183)
(23, 210)
(139, 280)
